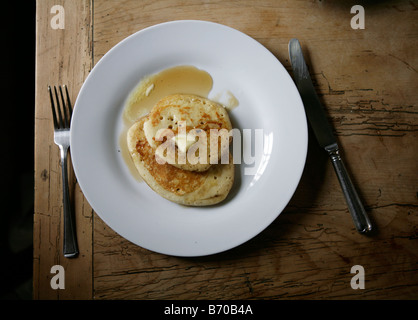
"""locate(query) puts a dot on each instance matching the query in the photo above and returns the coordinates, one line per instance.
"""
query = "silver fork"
(61, 113)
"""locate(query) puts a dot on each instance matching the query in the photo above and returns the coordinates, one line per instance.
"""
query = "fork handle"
(70, 240)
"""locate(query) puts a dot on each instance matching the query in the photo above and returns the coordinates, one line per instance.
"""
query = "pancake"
(193, 116)
(181, 186)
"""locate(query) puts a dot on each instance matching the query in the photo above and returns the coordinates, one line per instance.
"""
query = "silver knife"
(324, 134)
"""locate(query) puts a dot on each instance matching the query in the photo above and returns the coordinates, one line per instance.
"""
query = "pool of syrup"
(180, 79)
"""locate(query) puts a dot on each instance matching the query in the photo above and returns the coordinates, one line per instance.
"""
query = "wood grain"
(368, 81)
(63, 56)
(309, 250)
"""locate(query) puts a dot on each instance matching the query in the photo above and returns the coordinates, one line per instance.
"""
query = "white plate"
(268, 100)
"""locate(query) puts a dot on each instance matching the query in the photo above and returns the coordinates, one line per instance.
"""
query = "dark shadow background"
(17, 149)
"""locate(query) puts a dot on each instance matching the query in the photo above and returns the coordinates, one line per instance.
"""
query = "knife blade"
(324, 134)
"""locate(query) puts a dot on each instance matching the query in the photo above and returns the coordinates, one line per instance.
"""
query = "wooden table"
(368, 80)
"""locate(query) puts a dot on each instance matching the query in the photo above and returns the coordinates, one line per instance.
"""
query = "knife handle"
(359, 215)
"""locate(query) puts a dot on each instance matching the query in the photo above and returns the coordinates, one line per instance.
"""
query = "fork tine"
(54, 115)
(64, 110)
(70, 109)
(61, 122)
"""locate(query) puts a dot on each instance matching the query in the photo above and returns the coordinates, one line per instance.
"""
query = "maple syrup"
(176, 80)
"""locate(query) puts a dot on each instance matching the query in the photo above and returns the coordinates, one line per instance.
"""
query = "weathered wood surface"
(63, 56)
(368, 80)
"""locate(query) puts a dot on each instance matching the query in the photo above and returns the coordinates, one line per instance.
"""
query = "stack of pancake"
(177, 121)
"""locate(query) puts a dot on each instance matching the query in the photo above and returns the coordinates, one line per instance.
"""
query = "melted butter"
(232, 101)
(151, 89)
(227, 99)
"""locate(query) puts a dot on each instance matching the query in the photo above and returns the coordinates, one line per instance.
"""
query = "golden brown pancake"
(180, 186)
(196, 114)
